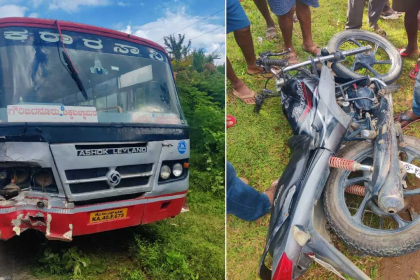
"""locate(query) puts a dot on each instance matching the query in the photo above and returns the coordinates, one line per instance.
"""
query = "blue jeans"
(242, 200)
(416, 96)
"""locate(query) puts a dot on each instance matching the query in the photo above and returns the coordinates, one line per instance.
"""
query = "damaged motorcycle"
(351, 166)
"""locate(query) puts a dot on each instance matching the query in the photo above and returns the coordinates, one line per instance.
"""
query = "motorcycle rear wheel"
(365, 231)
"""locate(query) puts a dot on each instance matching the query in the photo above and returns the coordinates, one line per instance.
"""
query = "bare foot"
(245, 180)
(254, 69)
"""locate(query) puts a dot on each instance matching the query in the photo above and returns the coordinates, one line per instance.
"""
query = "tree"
(176, 48)
(200, 59)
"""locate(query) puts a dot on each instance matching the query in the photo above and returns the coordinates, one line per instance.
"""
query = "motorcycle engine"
(362, 104)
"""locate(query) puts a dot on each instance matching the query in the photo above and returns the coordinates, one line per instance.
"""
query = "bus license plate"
(108, 215)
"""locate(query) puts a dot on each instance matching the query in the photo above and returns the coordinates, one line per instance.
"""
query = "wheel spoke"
(356, 42)
(353, 65)
(375, 50)
(359, 214)
(411, 192)
(382, 62)
(400, 221)
(371, 69)
(381, 222)
(413, 213)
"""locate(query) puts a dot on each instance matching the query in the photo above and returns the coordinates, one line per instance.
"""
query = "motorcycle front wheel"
(356, 217)
(383, 61)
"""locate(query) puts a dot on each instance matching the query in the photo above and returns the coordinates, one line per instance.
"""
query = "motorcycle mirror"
(324, 52)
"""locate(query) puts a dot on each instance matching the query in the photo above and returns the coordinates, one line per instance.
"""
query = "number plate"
(410, 168)
(108, 215)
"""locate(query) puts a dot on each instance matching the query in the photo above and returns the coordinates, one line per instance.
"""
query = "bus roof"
(77, 27)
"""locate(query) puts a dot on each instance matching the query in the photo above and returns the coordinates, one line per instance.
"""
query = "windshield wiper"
(75, 75)
(70, 66)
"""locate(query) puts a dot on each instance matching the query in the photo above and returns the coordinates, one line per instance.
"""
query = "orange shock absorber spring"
(342, 163)
(356, 190)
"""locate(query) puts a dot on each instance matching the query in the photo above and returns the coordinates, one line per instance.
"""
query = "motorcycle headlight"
(165, 172)
(177, 169)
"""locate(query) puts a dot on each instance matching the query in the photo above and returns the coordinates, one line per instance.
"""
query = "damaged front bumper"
(61, 220)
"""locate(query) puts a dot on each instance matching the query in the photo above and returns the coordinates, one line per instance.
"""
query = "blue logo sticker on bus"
(182, 147)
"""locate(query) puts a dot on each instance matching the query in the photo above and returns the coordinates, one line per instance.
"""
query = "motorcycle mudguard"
(387, 185)
(301, 146)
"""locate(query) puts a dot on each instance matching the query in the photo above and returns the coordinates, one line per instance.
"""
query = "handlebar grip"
(276, 62)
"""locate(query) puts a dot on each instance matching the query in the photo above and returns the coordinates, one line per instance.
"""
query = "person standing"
(238, 23)
(355, 14)
(411, 8)
(284, 10)
(270, 32)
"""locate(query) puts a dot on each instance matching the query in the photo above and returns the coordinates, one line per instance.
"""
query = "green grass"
(257, 145)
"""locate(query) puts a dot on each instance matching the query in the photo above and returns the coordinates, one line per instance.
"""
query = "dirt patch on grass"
(403, 268)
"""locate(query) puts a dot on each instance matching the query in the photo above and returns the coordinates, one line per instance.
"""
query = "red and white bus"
(92, 134)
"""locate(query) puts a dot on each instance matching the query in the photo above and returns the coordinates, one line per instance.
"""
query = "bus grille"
(94, 179)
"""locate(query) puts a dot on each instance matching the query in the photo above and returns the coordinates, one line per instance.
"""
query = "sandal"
(315, 49)
(248, 99)
(414, 72)
(270, 33)
(230, 118)
(378, 30)
(393, 15)
(404, 118)
(404, 54)
(292, 58)
(262, 73)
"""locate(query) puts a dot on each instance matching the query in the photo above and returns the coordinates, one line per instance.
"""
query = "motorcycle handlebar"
(272, 62)
(339, 55)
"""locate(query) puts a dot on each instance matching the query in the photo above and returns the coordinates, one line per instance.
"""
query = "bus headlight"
(3, 175)
(177, 169)
(20, 176)
(43, 178)
(165, 172)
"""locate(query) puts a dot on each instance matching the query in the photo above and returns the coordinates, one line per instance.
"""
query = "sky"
(201, 21)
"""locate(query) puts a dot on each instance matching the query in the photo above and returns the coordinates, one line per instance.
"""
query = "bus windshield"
(124, 82)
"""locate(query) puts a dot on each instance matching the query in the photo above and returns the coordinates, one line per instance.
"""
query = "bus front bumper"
(60, 220)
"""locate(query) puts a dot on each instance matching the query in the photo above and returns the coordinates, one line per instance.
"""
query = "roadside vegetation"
(258, 145)
(189, 246)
